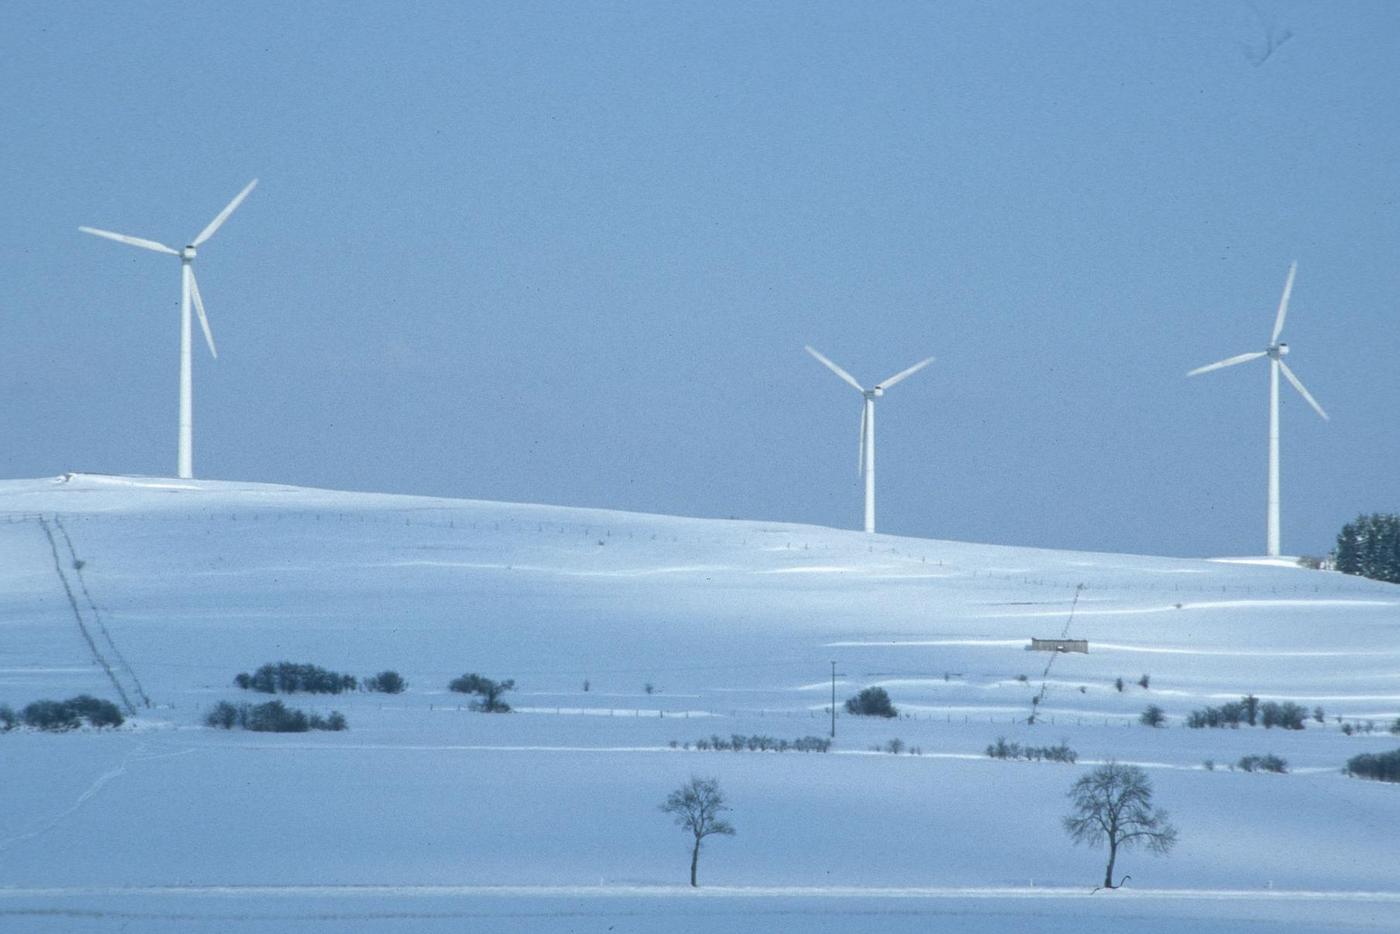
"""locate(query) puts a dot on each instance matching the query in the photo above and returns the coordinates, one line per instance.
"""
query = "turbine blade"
(1283, 303)
(218, 221)
(1298, 385)
(837, 370)
(902, 374)
(131, 241)
(1242, 358)
(199, 309)
(860, 468)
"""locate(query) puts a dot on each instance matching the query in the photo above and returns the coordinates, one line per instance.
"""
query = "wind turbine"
(189, 289)
(867, 424)
(1275, 352)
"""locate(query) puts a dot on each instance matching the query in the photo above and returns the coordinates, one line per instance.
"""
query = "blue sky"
(570, 253)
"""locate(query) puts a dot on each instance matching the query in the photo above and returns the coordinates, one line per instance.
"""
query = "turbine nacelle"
(1277, 350)
(188, 254)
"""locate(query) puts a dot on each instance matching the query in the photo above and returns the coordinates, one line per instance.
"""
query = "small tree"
(871, 702)
(1113, 804)
(1153, 716)
(489, 691)
(697, 806)
(387, 682)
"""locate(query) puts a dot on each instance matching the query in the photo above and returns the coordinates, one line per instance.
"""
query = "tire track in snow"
(77, 565)
(78, 615)
(88, 794)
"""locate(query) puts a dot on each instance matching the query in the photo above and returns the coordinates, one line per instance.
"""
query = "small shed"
(1059, 645)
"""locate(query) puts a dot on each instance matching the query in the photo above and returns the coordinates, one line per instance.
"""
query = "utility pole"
(833, 698)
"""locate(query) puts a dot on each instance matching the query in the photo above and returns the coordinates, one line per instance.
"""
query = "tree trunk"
(694, 860)
(1108, 873)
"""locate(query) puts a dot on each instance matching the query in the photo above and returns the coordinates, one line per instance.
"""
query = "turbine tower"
(189, 289)
(1275, 351)
(867, 424)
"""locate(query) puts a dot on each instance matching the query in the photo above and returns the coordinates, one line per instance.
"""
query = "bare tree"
(697, 806)
(1113, 803)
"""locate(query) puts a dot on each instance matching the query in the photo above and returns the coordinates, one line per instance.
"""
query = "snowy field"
(426, 816)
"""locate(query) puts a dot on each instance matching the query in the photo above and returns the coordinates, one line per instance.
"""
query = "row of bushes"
(737, 742)
(1248, 709)
(1061, 752)
(272, 717)
(61, 716)
(1265, 763)
(292, 677)
(1381, 766)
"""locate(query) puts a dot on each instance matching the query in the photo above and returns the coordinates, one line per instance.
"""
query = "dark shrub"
(335, 721)
(243, 680)
(1118, 683)
(1395, 727)
(387, 682)
(55, 716)
(1288, 715)
(1060, 752)
(1153, 716)
(871, 702)
(756, 743)
(1265, 763)
(274, 717)
(1144, 681)
(1251, 708)
(97, 713)
(224, 716)
(489, 691)
(1231, 715)
(291, 677)
(8, 718)
(1382, 766)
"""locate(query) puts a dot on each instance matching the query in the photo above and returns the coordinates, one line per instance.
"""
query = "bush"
(58, 716)
(1118, 683)
(8, 718)
(1231, 715)
(272, 717)
(756, 743)
(1288, 715)
(1381, 767)
(1395, 727)
(224, 716)
(1061, 752)
(1153, 716)
(97, 713)
(334, 722)
(386, 682)
(275, 717)
(490, 692)
(1265, 763)
(291, 677)
(54, 716)
(871, 702)
(1144, 681)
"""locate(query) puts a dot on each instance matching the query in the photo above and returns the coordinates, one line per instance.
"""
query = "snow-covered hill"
(159, 591)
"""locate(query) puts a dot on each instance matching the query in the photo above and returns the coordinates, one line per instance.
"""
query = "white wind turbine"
(189, 288)
(867, 424)
(1275, 352)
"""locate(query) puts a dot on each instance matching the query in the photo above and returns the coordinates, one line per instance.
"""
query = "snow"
(432, 816)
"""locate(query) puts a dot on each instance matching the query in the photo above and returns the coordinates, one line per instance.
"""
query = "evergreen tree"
(1369, 546)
